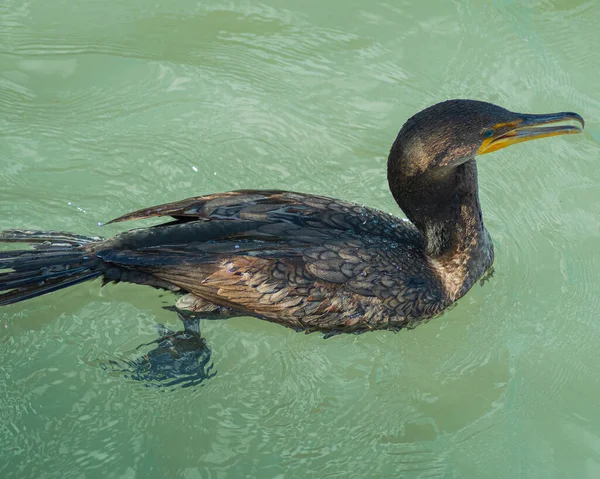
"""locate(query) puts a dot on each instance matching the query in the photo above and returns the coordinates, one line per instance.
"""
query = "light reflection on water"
(116, 106)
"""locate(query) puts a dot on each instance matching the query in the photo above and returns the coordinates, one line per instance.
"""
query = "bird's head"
(450, 133)
(432, 170)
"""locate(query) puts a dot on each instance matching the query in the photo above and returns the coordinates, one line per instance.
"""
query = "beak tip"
(577, 117)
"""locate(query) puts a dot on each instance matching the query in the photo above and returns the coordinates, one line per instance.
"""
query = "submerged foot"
(180, 358)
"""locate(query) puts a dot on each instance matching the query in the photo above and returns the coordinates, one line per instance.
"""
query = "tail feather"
(57, 261)
(43, 287)
(15, 280)
(55, 238)
(30, 260)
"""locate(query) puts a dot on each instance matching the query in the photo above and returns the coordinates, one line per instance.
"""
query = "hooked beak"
(528, 127)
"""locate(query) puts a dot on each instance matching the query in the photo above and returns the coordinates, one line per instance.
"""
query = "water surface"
(106, 107)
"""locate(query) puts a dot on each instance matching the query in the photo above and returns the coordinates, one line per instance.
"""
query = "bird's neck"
(445, 208)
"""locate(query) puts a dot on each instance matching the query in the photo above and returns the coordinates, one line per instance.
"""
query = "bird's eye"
(488, 133)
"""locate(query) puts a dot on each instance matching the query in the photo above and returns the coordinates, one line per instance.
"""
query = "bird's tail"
(57, 260)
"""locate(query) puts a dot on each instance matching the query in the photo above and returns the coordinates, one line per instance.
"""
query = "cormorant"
(309, 262)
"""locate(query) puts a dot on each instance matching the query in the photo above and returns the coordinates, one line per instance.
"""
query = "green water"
(108, 106)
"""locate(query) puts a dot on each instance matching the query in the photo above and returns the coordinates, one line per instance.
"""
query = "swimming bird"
(309, 262)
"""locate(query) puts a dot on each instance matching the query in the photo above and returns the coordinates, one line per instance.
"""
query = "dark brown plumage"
(308, 262)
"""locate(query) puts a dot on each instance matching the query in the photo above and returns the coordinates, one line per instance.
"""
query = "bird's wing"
(204, 206)
(342, 283)
(276, 206)
(289, 257)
